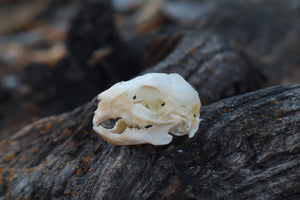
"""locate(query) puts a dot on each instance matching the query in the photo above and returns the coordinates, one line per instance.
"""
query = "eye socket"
(194, 115)
(163, 104)
(134, 97)
(110, 123)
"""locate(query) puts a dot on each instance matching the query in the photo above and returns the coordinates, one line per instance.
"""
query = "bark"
(211, 65)
(267, 31)
(246, 147)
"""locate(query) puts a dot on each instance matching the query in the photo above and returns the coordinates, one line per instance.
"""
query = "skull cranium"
(149, 108)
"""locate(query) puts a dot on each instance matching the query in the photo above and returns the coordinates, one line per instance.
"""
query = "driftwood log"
(211, 66)
(247, 146)
(266, 30)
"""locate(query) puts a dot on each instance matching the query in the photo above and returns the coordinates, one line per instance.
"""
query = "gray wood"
(267, 31)
(246, 147)
(211, 65)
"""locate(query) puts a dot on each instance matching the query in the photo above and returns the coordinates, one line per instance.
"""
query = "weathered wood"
(247, 147)
(211, 65)
(61, 157)
(267, 31)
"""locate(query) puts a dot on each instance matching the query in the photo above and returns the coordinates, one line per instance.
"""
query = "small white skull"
(149, 108)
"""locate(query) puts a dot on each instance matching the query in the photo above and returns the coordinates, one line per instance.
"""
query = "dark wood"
(61, 157)
(246, 147)
(211, 65)
(267, 31)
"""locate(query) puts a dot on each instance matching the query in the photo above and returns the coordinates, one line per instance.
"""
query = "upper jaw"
(124, 134)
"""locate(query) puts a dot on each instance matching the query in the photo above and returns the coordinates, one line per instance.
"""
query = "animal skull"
(149, 108)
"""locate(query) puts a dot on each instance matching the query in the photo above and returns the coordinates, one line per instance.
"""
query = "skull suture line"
(149, 108)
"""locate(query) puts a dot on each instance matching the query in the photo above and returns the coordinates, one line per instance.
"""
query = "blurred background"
(56, 55)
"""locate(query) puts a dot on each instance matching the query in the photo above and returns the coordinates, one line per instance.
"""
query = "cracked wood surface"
(247, 146)
(211, 66)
